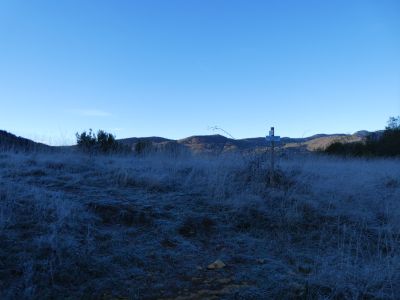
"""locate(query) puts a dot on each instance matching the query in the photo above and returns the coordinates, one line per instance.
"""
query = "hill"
(9, 141)
(205, 144)
(216, 144)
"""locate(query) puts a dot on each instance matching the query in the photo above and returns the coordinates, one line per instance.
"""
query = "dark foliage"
(106, 141)
(86, 141)
(143, 147)
(387, 144)
(103, 142)
(351, 149)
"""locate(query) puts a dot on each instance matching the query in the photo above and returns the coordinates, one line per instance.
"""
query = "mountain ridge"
(215, 143)
(218, 143)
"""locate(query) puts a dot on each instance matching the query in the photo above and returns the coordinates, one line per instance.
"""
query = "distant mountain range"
(204, 143)
(220, 144)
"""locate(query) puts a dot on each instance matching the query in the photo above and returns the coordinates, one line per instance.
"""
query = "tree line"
(386, 143)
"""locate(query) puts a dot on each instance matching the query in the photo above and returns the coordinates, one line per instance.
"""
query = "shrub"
(86, 141)
(104, 142)
(393, 123)
(143, 147)
(385, 144)
(353, 149)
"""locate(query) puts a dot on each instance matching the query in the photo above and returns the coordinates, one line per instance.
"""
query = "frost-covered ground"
(80, 227)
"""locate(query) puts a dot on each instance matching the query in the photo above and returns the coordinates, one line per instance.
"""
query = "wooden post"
(272, 171)
(271, 138)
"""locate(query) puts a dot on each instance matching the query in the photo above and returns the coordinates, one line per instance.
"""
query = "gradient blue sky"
(175, 68)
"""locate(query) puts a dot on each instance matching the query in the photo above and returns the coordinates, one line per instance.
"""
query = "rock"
(218, 264)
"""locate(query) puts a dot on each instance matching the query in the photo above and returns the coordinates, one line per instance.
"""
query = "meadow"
(77, 226)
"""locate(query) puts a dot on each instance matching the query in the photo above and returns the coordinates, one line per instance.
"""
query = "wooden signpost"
(272, 138)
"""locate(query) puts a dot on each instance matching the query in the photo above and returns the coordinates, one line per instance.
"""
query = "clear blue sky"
(174, 68)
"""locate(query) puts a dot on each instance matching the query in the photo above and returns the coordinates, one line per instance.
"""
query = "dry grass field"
(74, 226)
